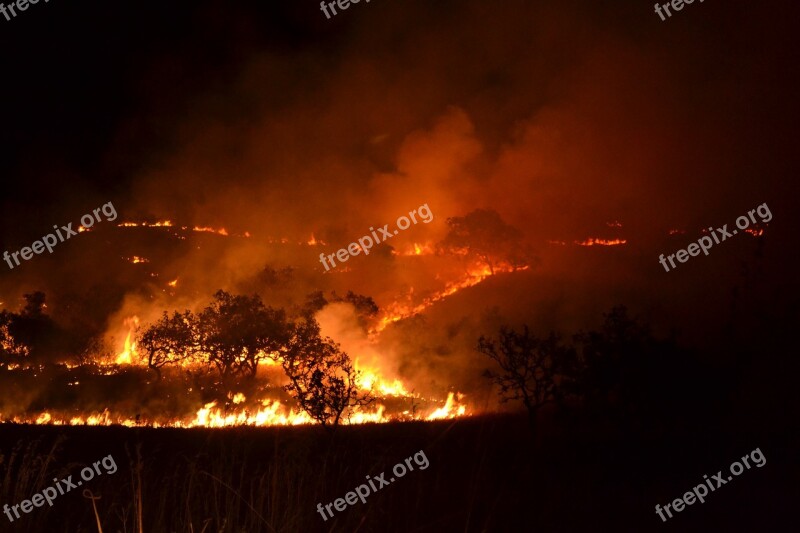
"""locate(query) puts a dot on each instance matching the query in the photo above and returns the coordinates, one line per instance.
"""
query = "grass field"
(487, 473)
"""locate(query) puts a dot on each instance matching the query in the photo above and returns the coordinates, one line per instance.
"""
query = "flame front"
(129, 353)
(601, 242)
(399, 311)
(268, 413)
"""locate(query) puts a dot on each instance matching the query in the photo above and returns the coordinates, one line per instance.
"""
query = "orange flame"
(264, 413)
(129, 352)
(451, 409)
(397, 311)
(602, 242)
(221, 231)
(313, 241)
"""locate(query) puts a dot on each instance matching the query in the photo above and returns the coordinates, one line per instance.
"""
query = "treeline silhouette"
(619, 373)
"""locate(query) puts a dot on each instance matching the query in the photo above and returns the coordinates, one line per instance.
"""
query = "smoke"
(560, 117)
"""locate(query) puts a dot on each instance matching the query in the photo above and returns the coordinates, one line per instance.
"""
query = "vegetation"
(323, 379)
(483, 236)
(533, 370)
(619, 370)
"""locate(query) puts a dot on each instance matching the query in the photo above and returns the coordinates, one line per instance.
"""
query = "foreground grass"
(486, 474)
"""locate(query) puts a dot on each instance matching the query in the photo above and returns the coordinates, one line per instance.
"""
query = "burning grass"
(105, 395)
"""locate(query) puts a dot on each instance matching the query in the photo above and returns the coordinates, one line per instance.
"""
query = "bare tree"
(532, 369)
(322, 377)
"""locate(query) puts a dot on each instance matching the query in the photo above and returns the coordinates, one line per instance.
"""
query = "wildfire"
(371, 380)
(313, 241)
(129, 352)
(755, 232)
(158, 224)
(265, 413)
(601, 242)
(173, 283)
(398, 311)
(419, 249)
(136, 260)
(220, 231)
(452, 408)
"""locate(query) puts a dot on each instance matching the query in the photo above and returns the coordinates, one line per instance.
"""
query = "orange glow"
(755, 232)
(420, 249)
(452, 408)
(221, 231)
(370, 379)
(313, 241)
(173, 283)
(136, 260)
(264, 413)
(601, 242)
(400, 311)
(129, 352)
(158, 224)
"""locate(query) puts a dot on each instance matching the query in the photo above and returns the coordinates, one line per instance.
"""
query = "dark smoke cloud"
(560, 117)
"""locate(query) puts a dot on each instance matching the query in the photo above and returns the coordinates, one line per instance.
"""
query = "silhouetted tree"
(612, 358)
(322, 377)
(31, 334)
(272, 277)
(237, 332)
(365, 306)
(170, 340)
(484, 236)
(315, 301)
(532, 369)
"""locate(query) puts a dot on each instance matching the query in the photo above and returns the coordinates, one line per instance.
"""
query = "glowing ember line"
(398, 312)
(221, 231)
(270, 413)
(602, 242)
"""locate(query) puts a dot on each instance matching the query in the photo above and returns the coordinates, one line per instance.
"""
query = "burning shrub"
(323, 379)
